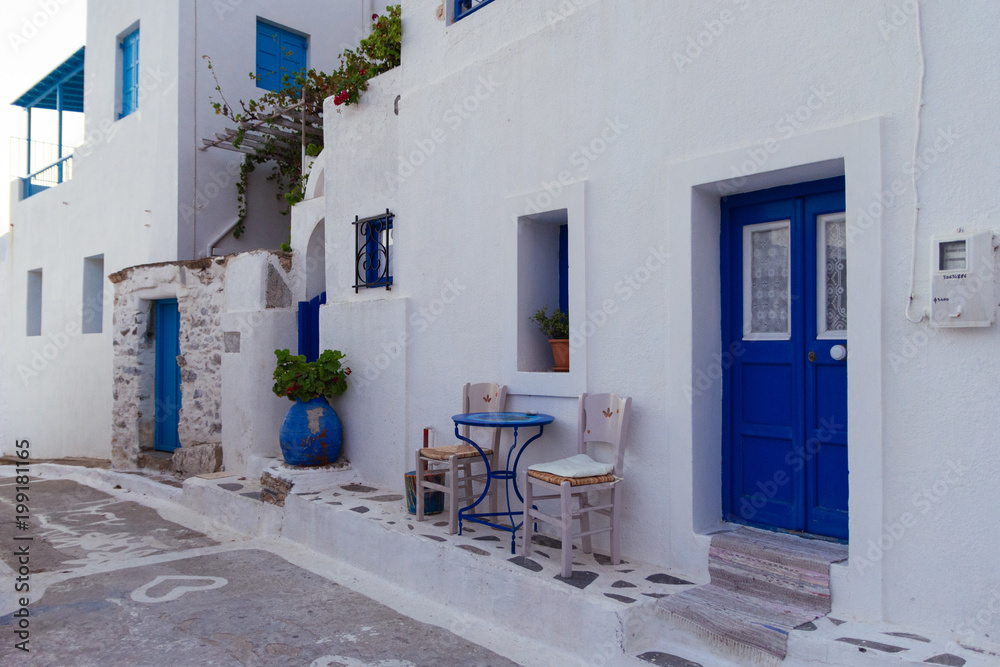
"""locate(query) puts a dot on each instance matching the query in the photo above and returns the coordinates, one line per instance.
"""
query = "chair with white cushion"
(602, 418)
(459, 459)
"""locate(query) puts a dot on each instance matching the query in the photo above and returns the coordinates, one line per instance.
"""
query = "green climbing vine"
(269, 129)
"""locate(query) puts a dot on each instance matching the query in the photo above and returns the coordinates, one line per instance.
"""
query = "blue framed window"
(130, 72)
(373, 251)
(279, 52)
(465, 7)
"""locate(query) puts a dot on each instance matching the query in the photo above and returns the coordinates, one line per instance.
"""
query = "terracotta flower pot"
(560, 352)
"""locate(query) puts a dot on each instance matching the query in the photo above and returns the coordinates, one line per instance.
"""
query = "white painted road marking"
(139, 594)
(339, 661)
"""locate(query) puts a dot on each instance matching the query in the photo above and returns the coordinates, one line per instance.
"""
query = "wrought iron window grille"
(465, 7)
(373, 251)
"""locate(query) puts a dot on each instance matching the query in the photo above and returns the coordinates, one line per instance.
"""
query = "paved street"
(113, 583)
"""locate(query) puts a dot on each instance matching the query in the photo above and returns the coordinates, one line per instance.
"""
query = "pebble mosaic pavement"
(627, 583)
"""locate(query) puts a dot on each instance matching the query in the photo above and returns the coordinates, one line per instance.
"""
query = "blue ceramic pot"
(311, 434)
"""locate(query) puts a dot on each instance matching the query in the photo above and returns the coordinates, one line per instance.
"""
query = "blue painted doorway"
(309, 327)
(168, 376)
(784, 327)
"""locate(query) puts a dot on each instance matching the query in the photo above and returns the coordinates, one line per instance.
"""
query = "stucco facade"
(141, 193)
(636, 119)
(628, 123)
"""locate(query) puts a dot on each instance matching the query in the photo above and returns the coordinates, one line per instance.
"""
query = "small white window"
(34, 310)
(93, 294)
(542, 271)
(544, 260)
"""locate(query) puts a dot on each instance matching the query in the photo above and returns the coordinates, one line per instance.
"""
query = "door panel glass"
(832, 292)
(766, 281)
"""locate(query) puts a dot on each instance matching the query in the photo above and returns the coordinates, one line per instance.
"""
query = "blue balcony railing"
(24, 155)
(43, 179)
(465, 7)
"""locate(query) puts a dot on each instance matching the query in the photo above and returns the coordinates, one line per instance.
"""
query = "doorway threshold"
(734, 524)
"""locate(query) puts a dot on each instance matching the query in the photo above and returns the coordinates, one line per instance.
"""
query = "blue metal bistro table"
(514, 420)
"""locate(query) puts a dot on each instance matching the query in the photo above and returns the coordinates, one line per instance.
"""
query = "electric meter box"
(962, 270)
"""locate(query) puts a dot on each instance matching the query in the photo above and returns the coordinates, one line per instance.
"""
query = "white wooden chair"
(482, 397)
(603, 418)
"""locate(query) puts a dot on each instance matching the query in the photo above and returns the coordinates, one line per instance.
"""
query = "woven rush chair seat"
(573, 481)
(601, 418)
(458, 451)
(457, 460)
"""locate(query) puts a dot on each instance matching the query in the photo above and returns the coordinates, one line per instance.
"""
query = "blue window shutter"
(135, 70)
(279, 52)
(268, 62)
(130, 73)
(371, 251)
(564, 268)
(293, 52)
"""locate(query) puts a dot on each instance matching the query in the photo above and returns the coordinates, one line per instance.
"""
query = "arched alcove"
(316, 186)
(316, 261)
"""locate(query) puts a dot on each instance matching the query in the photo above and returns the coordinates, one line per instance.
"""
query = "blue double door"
(784, 338)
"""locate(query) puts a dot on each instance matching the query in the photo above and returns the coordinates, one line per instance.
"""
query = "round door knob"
(812, 355)
(838, 352)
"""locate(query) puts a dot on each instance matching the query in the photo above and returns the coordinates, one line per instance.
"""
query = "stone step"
(792, 551)
(747, 575)
(154, 460)
(763, 584)
(743, 624)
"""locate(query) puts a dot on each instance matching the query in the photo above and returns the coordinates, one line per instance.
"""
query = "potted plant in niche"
(556, 329)
(311, 433)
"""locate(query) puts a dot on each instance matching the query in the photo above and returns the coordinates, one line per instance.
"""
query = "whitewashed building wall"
(142, 192)
(636, 118)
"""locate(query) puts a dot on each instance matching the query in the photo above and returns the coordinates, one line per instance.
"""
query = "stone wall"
(199, 287)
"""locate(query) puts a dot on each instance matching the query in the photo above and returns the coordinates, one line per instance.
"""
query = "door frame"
(800, 264)
(692, 192)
